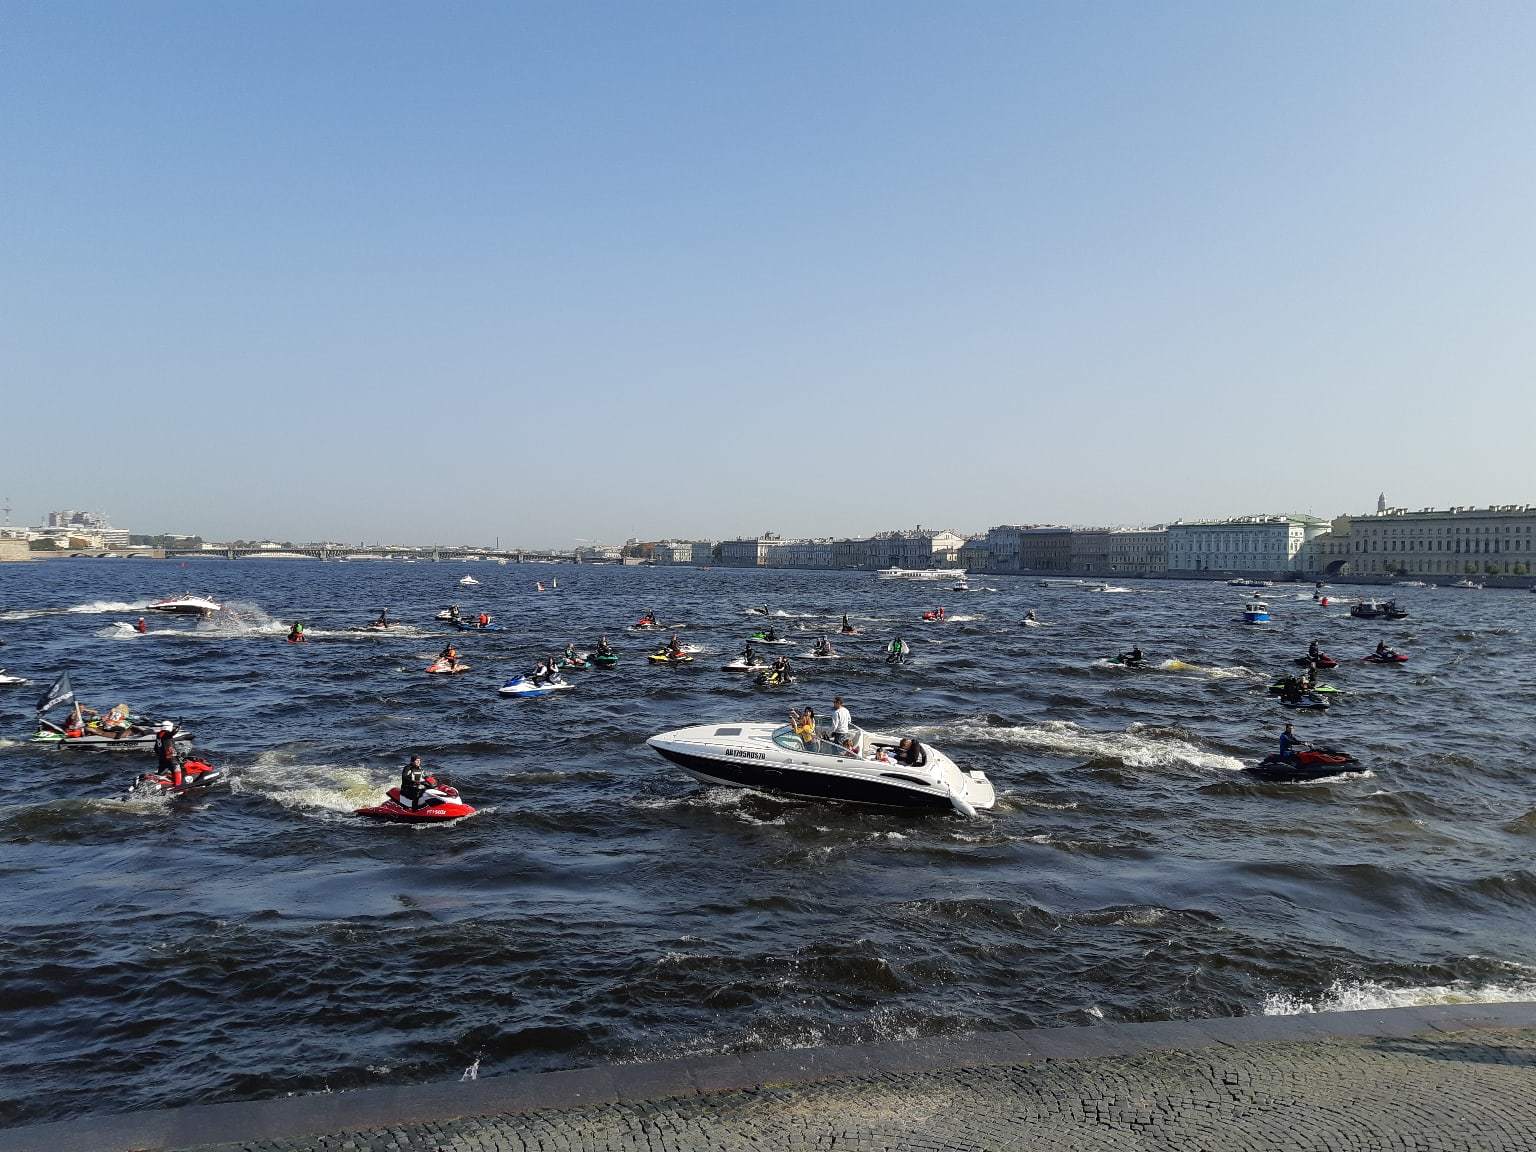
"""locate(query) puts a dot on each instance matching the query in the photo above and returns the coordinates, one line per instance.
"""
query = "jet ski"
(740, 665)
(448, 614)
(186, 606)
(605, 659)
(1307, 703)
(1311, 764)
(442, 667)
(771, 679)
(933, 616)
(646, 623)
(449, 806)
(670, 658)
(524, 686)
(762, 638)
(578, 663)
(827, 655)
(472, 626)
(1389, 658)
(757, 611)
(1323, 661)
(4, 679)
(1126, 660)
(196, 777)
(1285, 682)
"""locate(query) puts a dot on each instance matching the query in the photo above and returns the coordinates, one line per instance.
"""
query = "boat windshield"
(785, 738)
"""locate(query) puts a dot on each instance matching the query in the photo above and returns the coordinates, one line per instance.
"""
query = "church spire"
(1381, 503)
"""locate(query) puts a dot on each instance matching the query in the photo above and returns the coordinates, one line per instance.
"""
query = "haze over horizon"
(552, 273)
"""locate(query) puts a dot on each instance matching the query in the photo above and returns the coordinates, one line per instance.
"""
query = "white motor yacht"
(772, 758)
(186, 606)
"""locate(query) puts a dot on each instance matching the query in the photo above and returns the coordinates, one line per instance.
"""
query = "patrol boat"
(770, 757)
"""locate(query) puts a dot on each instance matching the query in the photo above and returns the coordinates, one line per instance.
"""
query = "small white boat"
(4, 679)
(469, 580)
(1255, 612)
(186, 606)
(1242, 583)
(1466, 584)
(951, 574)
(770, 757)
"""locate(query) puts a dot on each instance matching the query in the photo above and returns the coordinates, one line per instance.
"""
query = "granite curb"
(372, 1108)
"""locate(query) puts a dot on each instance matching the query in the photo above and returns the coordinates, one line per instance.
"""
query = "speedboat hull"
(186, 606)
(770, 758)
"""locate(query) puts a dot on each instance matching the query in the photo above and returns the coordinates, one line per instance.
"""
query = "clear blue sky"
(547, 271)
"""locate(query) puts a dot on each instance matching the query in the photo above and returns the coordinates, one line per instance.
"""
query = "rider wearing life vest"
(167, 762)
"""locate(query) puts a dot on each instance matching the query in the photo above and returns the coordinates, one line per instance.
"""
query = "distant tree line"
(165, 541)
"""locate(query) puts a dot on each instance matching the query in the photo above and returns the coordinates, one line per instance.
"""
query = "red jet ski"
(196, 776)
(449, 807)
(935, 614)
(1324, 661)
(1310, 764)
(1389, 658)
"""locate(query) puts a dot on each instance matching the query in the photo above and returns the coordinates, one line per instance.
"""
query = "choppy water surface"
(603, 906)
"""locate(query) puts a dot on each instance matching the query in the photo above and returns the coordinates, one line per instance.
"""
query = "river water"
(603, 906)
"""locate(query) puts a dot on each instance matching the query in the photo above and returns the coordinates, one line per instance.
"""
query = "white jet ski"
(740, 665)
(4, 679)
(524, 686)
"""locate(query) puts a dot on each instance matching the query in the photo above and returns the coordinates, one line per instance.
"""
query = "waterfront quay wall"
(1441, 1077)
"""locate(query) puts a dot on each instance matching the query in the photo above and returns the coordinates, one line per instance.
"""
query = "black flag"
(59, 693)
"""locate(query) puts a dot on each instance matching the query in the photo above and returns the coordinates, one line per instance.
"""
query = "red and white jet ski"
(445, 806)
(196, 776)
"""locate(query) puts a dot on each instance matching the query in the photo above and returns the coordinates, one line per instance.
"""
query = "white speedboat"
(186, 606)
(469, 580)
(4, 679)
(772, 758)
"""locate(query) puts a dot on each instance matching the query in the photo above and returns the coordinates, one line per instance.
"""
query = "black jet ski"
(1309, 764)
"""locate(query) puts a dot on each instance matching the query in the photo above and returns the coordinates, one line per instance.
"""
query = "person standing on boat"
(842, 720)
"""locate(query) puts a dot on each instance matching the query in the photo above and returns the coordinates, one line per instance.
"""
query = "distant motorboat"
(469, 580)
(186, 606)
(1242, 583)
(1255, 612)
(955, 574)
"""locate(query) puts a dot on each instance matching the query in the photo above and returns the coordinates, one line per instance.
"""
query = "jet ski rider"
(167, 762)
(1383, 651)
(449, 654)
(1134, 656)
(383, 620)
(1288, 743)
(1314, 652)
(418, 788)
(602, 646)
(749, 655)
(848, 629)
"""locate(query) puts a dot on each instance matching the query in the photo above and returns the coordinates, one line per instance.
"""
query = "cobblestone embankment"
(1459, 1077)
